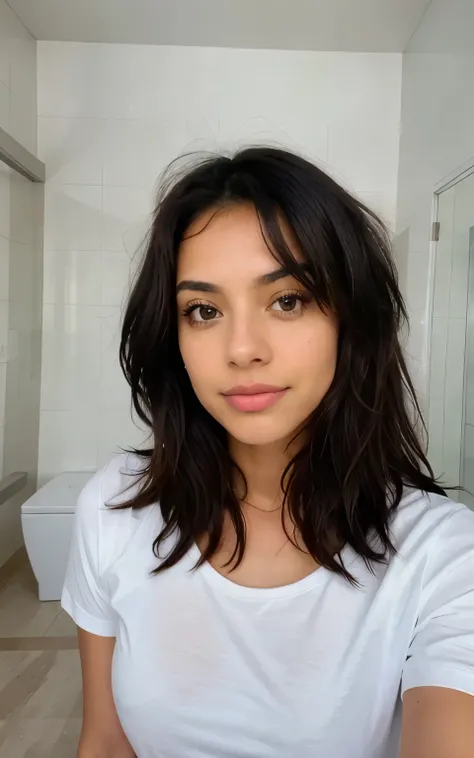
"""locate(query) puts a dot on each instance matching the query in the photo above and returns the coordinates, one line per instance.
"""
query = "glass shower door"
(451, 391)
(467, 457)
(21, 278)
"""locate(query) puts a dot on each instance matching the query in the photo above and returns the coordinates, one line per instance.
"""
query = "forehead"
(227, 241)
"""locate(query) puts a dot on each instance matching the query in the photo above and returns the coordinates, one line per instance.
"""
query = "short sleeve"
(84, 597)
(441, 653)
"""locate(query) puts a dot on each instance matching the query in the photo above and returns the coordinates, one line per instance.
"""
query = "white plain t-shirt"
(205, 668)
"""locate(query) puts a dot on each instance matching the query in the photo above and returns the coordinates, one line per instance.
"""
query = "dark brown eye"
(201, 313)
(288, 302)
(292, 303)
(206, 313)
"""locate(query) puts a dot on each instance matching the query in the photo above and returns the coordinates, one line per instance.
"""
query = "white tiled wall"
(20, 276)
(110, 118)
(437, 136)
(17, 79)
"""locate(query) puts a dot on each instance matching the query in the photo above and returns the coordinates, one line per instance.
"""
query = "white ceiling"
(351, 25)
(447, 27)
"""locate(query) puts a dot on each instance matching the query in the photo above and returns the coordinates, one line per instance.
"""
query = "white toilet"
(47, 519)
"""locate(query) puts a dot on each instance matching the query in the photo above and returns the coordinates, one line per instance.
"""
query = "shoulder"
(431, 528)
(435, 582)
(102, 524)
(111, 485)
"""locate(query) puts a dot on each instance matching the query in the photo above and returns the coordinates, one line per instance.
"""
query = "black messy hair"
(361, 446)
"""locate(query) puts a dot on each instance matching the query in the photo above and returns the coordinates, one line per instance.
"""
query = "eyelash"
(302, 297)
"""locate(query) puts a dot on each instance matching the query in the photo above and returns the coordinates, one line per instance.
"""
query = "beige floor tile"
(40, 704)
(21, 574)
(40, 678)
(62, 626)
(40, 685)
(39, 738)
(12, 665)
(21, 613)
(16, 563)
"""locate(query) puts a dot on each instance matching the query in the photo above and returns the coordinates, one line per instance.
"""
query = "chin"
(258, 431)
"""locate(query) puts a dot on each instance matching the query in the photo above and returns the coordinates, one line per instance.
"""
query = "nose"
(247, 342)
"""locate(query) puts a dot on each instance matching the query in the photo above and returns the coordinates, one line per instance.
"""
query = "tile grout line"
(11, 644)
(52, 622)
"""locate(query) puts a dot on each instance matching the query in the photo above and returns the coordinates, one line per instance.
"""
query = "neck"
(262, 466)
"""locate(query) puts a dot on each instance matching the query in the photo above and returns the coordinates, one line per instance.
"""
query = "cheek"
(189, 345)
(313, 352)
(199, 356)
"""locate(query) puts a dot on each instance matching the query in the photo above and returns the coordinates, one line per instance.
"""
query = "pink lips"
(254, 397)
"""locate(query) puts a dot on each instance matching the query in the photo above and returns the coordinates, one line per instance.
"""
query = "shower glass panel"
(21, 293)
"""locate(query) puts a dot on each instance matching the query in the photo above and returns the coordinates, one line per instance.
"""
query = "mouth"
(254, 398)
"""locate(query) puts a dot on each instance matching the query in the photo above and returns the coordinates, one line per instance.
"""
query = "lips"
(254, 398)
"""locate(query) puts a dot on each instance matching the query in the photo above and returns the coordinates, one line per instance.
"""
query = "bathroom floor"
(40, 681)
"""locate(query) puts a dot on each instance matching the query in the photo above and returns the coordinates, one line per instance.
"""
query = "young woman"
(279, 575)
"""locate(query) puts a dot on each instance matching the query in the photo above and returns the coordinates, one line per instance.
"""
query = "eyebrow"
(196, 286)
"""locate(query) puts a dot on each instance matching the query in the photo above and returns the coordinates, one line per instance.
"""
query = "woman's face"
(259, 352)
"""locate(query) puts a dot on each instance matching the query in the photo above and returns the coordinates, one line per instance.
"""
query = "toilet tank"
(59, 495)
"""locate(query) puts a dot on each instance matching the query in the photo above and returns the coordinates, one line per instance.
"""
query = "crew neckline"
(307, 583)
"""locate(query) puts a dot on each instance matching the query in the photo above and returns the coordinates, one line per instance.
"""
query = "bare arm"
(437, 723)
(102, 734)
